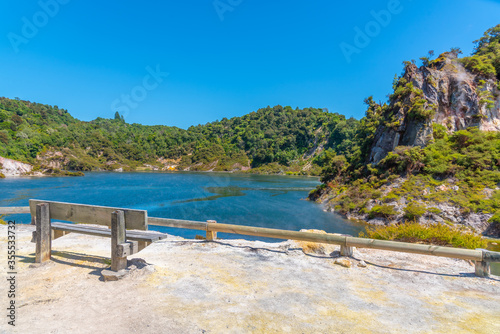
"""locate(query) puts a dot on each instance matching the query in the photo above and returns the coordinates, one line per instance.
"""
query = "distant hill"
(270, 140)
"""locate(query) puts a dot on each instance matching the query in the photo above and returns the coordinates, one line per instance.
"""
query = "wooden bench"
(124, 241)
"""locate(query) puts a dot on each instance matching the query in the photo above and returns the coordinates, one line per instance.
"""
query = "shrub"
(480, 65)
(392, 177)
(414, 211)
(390, 197)
(495, 219)
(384, 211)
(421, 110)
(403, 159)
(439, 131)
(439, 234)
(434, 210)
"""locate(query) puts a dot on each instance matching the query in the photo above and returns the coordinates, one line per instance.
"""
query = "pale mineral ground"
(238, 286)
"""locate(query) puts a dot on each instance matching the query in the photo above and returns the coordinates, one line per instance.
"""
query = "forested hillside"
(269, 140)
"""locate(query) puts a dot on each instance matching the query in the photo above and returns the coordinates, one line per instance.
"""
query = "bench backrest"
(92, 214)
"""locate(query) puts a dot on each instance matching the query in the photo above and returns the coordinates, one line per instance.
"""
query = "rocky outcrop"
(9, 167)
(456, 99)
(439, 209)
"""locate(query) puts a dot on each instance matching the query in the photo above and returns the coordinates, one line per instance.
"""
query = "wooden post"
(211, 235)
(482, 267)
(117, 237)
(43, 234)
(346, 250)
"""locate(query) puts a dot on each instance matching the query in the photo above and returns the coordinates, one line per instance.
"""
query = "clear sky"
(188, 62)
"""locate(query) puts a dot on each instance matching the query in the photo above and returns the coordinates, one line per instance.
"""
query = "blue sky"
(224, 58)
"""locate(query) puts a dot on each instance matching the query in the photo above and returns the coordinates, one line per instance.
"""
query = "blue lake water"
(242, 199)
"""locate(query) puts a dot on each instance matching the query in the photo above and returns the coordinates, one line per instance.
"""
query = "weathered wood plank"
(92, 214)
(14, 210)
(43, 235)
(128, 248)
(178, 223)
(118, 262)
(105, 232)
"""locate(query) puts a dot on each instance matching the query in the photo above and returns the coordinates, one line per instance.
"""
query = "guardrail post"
(483, 267)
(346, 250)
(211, 235)
(43, 233)
(118, 236)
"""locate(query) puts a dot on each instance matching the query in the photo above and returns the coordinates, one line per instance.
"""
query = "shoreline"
(248, 172)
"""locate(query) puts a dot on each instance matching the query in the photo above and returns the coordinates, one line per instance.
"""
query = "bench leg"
(142, 245)
(57, 234)
(117, 237)
(43, 233)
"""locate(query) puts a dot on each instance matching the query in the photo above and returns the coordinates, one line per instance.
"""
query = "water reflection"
(255, 200)
(220, 191)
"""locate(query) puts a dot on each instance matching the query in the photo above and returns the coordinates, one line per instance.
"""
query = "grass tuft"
(441, 235)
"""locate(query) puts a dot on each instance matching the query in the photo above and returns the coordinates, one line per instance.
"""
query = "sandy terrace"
(236, 286)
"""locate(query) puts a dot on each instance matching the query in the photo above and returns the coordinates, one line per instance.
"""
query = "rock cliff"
(9, 167)
(444, 92)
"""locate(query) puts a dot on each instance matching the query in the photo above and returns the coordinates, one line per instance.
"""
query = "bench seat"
(133, 235)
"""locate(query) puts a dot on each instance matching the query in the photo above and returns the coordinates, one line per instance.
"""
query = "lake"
(242, 199)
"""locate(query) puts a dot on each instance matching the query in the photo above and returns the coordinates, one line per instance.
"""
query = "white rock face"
(14, 168)
(454, 93)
